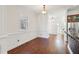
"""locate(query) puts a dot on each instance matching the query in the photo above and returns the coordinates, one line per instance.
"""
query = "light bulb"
(43, 12)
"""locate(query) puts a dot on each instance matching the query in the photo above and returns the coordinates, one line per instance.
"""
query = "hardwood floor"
(53, 45)
(57, 44)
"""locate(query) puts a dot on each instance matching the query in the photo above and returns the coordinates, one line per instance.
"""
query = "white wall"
(42, 25)
(73, 10)
(10, 26)
(57, 21)
(3, 21)
(56, 26)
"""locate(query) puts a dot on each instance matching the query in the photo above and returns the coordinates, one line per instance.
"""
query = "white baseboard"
(43, 36)
(70, 51)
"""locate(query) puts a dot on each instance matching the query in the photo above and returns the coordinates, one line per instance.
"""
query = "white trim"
(16, 33)
(8, 34)
(69, 49)
(3, 36)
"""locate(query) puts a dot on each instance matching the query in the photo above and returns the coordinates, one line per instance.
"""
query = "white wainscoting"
(43, 34)
(10, 41)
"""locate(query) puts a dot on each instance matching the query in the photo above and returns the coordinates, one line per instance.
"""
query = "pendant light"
(44, 9)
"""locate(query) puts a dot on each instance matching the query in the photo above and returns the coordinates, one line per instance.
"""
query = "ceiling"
(39, 8)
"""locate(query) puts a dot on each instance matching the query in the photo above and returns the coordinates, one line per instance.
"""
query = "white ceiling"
(39, 8)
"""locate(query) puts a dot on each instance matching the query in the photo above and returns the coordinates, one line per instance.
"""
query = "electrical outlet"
(18, 40)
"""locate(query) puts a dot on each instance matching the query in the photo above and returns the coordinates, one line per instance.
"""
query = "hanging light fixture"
(44, 9)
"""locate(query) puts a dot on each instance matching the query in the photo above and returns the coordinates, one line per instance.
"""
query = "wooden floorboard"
(52, 45)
